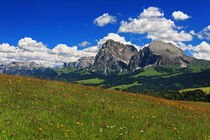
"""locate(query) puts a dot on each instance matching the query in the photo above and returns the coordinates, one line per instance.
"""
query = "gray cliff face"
(113, 56)
(82, 63)
(159, 53)
(18, 68)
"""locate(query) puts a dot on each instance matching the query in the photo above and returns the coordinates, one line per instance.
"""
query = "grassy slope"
(91, 81)
(149, 72)
(36, 109)
(205, 89)
(123, 87)
(157, 79)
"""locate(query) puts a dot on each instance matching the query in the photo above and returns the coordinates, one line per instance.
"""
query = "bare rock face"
(113, 57)
(159, 53)
(82, 63)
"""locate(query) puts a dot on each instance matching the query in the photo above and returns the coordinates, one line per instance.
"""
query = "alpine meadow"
(104, 70)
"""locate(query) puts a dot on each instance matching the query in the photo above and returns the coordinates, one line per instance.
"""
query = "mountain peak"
(113, 56)
(162, 48)
(159, 53)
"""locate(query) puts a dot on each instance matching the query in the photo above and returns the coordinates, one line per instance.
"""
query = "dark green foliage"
(193, 95)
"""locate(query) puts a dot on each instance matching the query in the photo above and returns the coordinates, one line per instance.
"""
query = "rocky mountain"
(113, 56)
(159, 53)
(82, 63)
(18, 68)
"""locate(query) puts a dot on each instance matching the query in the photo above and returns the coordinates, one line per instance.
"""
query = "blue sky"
(71, 22)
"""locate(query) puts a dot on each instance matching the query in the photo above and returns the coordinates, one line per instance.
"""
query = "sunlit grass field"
(205, 89)
(40, 109)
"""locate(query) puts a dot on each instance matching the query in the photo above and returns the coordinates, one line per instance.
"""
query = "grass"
(126, 86)
(39, 109)
(205, 89)
(149, 72)
(92, 81)
(64, 70)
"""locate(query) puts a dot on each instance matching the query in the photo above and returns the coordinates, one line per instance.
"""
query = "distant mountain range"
(159, 66)
(18, 68)
(117, 57)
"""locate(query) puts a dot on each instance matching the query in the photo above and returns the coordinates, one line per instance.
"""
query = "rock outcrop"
(18, 68)
(82, 63)
(113, 57)
(158, 53)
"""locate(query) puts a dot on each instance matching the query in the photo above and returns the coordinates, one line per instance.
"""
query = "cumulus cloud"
(179, 15)
(104, 20)
(157, 27)
(201, 51)
(29, 50)
(116, 38)
(83, 44)
(205, 33)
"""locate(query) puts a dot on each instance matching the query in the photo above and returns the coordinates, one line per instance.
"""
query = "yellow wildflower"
(175, 128)
(40, 129)
(77, 123)
(61, 125)
(82, 124)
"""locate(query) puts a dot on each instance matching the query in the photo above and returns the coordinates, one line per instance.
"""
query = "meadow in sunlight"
(40, 109)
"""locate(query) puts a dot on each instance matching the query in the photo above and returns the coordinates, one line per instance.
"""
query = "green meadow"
(40, 109)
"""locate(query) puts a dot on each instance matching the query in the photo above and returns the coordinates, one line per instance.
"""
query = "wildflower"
(141, 131)
(58, 126)
(77, 123)
(12, 134)
(153, 116)
(82, 124)
(40, 129)
(121, 134)
(50, 124)
(101, 130)
(61, 125)
(175, 128)
(19, 93)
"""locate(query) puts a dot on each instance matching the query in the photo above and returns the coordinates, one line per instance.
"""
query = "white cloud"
(151, 12)
(29, 50)
(83, 44)
(201, 51)
(152, 22)
(104, 20)
(179, 15)
(116, 38)
(203, 34)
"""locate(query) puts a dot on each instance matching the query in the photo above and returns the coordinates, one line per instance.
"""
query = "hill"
(41, 109)
(152, 78)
